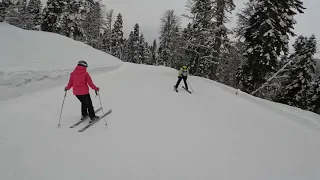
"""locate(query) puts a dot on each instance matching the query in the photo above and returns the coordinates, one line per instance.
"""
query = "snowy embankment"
(30, 60)
(153, 132)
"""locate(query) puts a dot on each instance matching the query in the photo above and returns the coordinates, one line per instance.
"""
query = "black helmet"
(82, 63)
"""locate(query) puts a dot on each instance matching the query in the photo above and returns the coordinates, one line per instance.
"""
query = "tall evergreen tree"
(243, 21)
(2, 11)
(15, 13)
(142, 50)
(297, 87)
(6, 7)
(106, 41)
(106, 37)
(128, 50)
(72, 18)
(34, 14)
(22, 11)
(109, 20)
(267, 37)
(92, 24)
(200, 38)
(221, 40)
(52, 14)
(148, 54)
(314, 96)
(230, 62)
(191, 54)
(154, 53)
(169, 37)
(134, 45)
(117, 38)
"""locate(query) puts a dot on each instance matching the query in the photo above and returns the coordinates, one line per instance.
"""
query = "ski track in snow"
(24, 82)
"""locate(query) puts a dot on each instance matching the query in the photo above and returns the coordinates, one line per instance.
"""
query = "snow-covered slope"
(30, 60)
(153, 132)
(156, 133)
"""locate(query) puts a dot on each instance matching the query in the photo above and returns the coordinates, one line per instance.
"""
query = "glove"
(65, 89)
(96, 91)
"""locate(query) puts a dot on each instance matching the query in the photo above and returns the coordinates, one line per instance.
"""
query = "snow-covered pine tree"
(142, 50)
(243, 21)
(296, 88)
(134, 51)
(106, 41)
(267, 37)
(6, 6)
(230, 62)
(92, 24)
(15, 13)
(106, 36)
(117, 38)
(191, 54)
(148, 54)
(154, 55)
(221, 9)
(314, 96)
(169, 36)
(124, 49)
(2, 11)
(128, 50)
(72, 18)
(200, 36)
(51, 15)
(22, 14)
(109, 20)
(34, 10)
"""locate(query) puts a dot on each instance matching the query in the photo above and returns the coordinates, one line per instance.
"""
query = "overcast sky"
(148, 13)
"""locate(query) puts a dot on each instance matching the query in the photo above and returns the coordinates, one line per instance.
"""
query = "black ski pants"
(86, 105)
(184, 80)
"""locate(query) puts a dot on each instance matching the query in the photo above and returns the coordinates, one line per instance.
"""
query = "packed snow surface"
(153, 132)
(156, 133)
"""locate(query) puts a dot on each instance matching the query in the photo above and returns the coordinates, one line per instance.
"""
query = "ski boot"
(175, 88)
(93, 119)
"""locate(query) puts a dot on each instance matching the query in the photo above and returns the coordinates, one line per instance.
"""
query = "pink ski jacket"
(79, 81)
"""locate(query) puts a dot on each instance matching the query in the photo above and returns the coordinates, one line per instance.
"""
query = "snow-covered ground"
(155, 133)
(30, 56)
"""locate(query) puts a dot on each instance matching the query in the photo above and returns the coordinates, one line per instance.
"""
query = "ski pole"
(101, 106)
(190, 86)
(65, 94)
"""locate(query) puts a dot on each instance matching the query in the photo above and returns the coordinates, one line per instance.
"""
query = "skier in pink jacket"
(79, 81)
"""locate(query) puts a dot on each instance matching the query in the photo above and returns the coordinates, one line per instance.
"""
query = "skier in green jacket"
(183, 74)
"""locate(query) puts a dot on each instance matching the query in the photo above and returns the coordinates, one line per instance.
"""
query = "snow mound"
(28, 57)
(156, 133)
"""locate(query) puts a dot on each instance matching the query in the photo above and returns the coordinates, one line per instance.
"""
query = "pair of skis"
(92, 123)
(183, 88)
